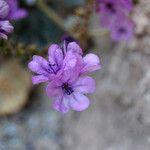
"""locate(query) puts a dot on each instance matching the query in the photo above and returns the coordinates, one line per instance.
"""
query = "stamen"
(52, 69)
(67, 89)
(122, 30)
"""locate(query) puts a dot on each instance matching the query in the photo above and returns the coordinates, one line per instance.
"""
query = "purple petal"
(72, 65)
(19, 14)
(91, 63)
(106, 20)
(38, 65)
(57, 76)
(4, 36)
(15, 12)
(39, 79)
(54, 88)
(13, 4)
(85, 85)
(70, 62)
(5, 28)
(4, 9)
(122, 29)
(61, 103)
(127, 4)
(79, 102)
(55, 55)
(74, 47)
(110, 9)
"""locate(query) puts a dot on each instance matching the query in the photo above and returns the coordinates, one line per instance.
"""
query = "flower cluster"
(114, 15)
(9, 10)
(65, 72)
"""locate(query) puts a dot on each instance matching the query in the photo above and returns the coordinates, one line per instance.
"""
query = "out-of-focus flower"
(15, 12)
(112, 11)
(9, 10)
(127, 4)
(4, 9)
(115, 6)
(109, 11)
(5, 28)
(123, 29)
(63, 72)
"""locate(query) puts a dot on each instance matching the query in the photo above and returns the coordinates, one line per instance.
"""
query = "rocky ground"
(117, 119)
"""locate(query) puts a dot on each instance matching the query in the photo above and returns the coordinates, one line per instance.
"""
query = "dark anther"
(67, 89)
(110, 6)
(51, 64)
(51, 68)
(122, 30)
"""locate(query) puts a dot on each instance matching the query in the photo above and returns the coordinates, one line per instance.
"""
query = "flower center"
(52, 68)
(110, 7)
(67, 89)
(122, 30)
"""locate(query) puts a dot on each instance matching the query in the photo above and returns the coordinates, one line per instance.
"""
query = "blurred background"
(119, 114)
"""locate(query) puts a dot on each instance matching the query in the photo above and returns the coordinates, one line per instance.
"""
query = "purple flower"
(69, 94)
(4, 9)
(111, 13)
(122, 29)
(63, 71)
(15, 12)
(115, 6)
(111, 9)
(5, 28)
(127, 4)
(58, 59)
(9, 11)
(46, 69)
